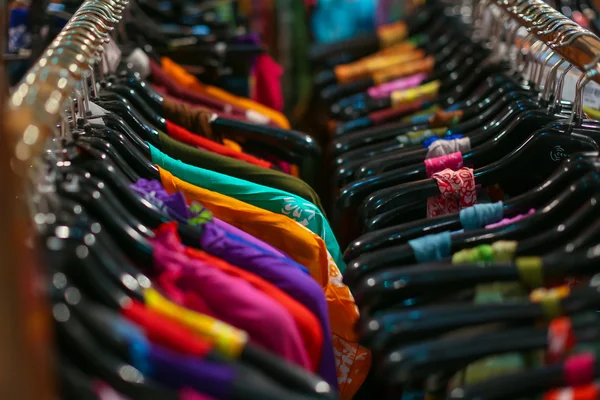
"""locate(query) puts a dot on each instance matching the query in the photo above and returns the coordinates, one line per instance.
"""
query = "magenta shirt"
(230, 299)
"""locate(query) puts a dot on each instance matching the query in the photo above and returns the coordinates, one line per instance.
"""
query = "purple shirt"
(175, 206)
(282, 272)
(180, 371)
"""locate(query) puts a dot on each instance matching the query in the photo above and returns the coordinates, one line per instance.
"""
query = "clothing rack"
(35, 109)
(566, 38)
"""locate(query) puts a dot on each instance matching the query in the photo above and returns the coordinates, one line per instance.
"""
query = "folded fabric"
(352, 360)
(308, 326)
(267, 198)
(237, 168)
(183, 135)
(231, 298)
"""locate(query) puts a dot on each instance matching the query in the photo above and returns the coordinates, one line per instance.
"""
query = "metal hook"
(542, 69)
(577, 112)
(560, 87)
(531, 58)
(548, 95)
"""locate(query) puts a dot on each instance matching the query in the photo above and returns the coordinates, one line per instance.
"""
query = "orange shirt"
(186, 79)
(306, 248)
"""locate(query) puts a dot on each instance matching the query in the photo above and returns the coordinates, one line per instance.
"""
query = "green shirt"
(239, 169)
(265, 197)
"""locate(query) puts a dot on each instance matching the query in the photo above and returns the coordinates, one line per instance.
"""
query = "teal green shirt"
(265, 197)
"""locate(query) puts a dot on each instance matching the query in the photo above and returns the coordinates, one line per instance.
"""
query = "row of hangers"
(92, 231)
(540, 149)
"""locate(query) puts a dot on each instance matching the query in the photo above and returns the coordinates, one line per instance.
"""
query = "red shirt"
(187, 137)
(166, 331)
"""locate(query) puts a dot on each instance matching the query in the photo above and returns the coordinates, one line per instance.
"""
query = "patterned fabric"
(457, 190)
(442, 147)
(352, 361)
(452, 161)
(173, 205)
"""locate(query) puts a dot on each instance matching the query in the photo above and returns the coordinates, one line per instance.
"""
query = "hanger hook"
(550, 86)
(531, 59)
(540, 78)
(560, 87)
(577, 112)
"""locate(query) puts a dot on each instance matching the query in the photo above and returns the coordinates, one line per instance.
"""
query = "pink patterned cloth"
(508, 221)
(385, 89)
(453, 161)
(457, 190)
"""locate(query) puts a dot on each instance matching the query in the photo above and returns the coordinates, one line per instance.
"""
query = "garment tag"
(96, 114)
(257, 118)
(113, 56)
(591, 91)
(140, 62)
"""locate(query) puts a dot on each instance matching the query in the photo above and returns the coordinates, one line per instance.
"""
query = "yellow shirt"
(228, 340)
(306, 248)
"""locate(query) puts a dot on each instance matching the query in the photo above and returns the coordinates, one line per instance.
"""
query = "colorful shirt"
(267, 198)
(307, 324)
(352, 360)
(177, 73)
(232, 299)
(174, 205)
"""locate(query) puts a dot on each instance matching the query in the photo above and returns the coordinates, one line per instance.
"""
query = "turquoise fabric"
(267, 198)
(432, 247)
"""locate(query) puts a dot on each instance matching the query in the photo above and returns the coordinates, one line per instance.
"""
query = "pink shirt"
(385, 89)
(508, 221)
(230, 299)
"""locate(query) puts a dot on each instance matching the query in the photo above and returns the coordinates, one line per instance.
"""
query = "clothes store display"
(429, 232)
(210, 268)
(459, 226)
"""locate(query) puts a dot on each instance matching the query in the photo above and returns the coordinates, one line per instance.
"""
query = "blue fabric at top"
(480, 215)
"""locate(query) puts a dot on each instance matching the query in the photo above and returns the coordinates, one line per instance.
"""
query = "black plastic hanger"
(537, 150)
(557, 210)
(571, 169)
(500, 143)
(78, 189)
(136, 121)
(134, 161)
(453, 354)
(288, 145)
(396, 285)
(524, 384)
(74, 383)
